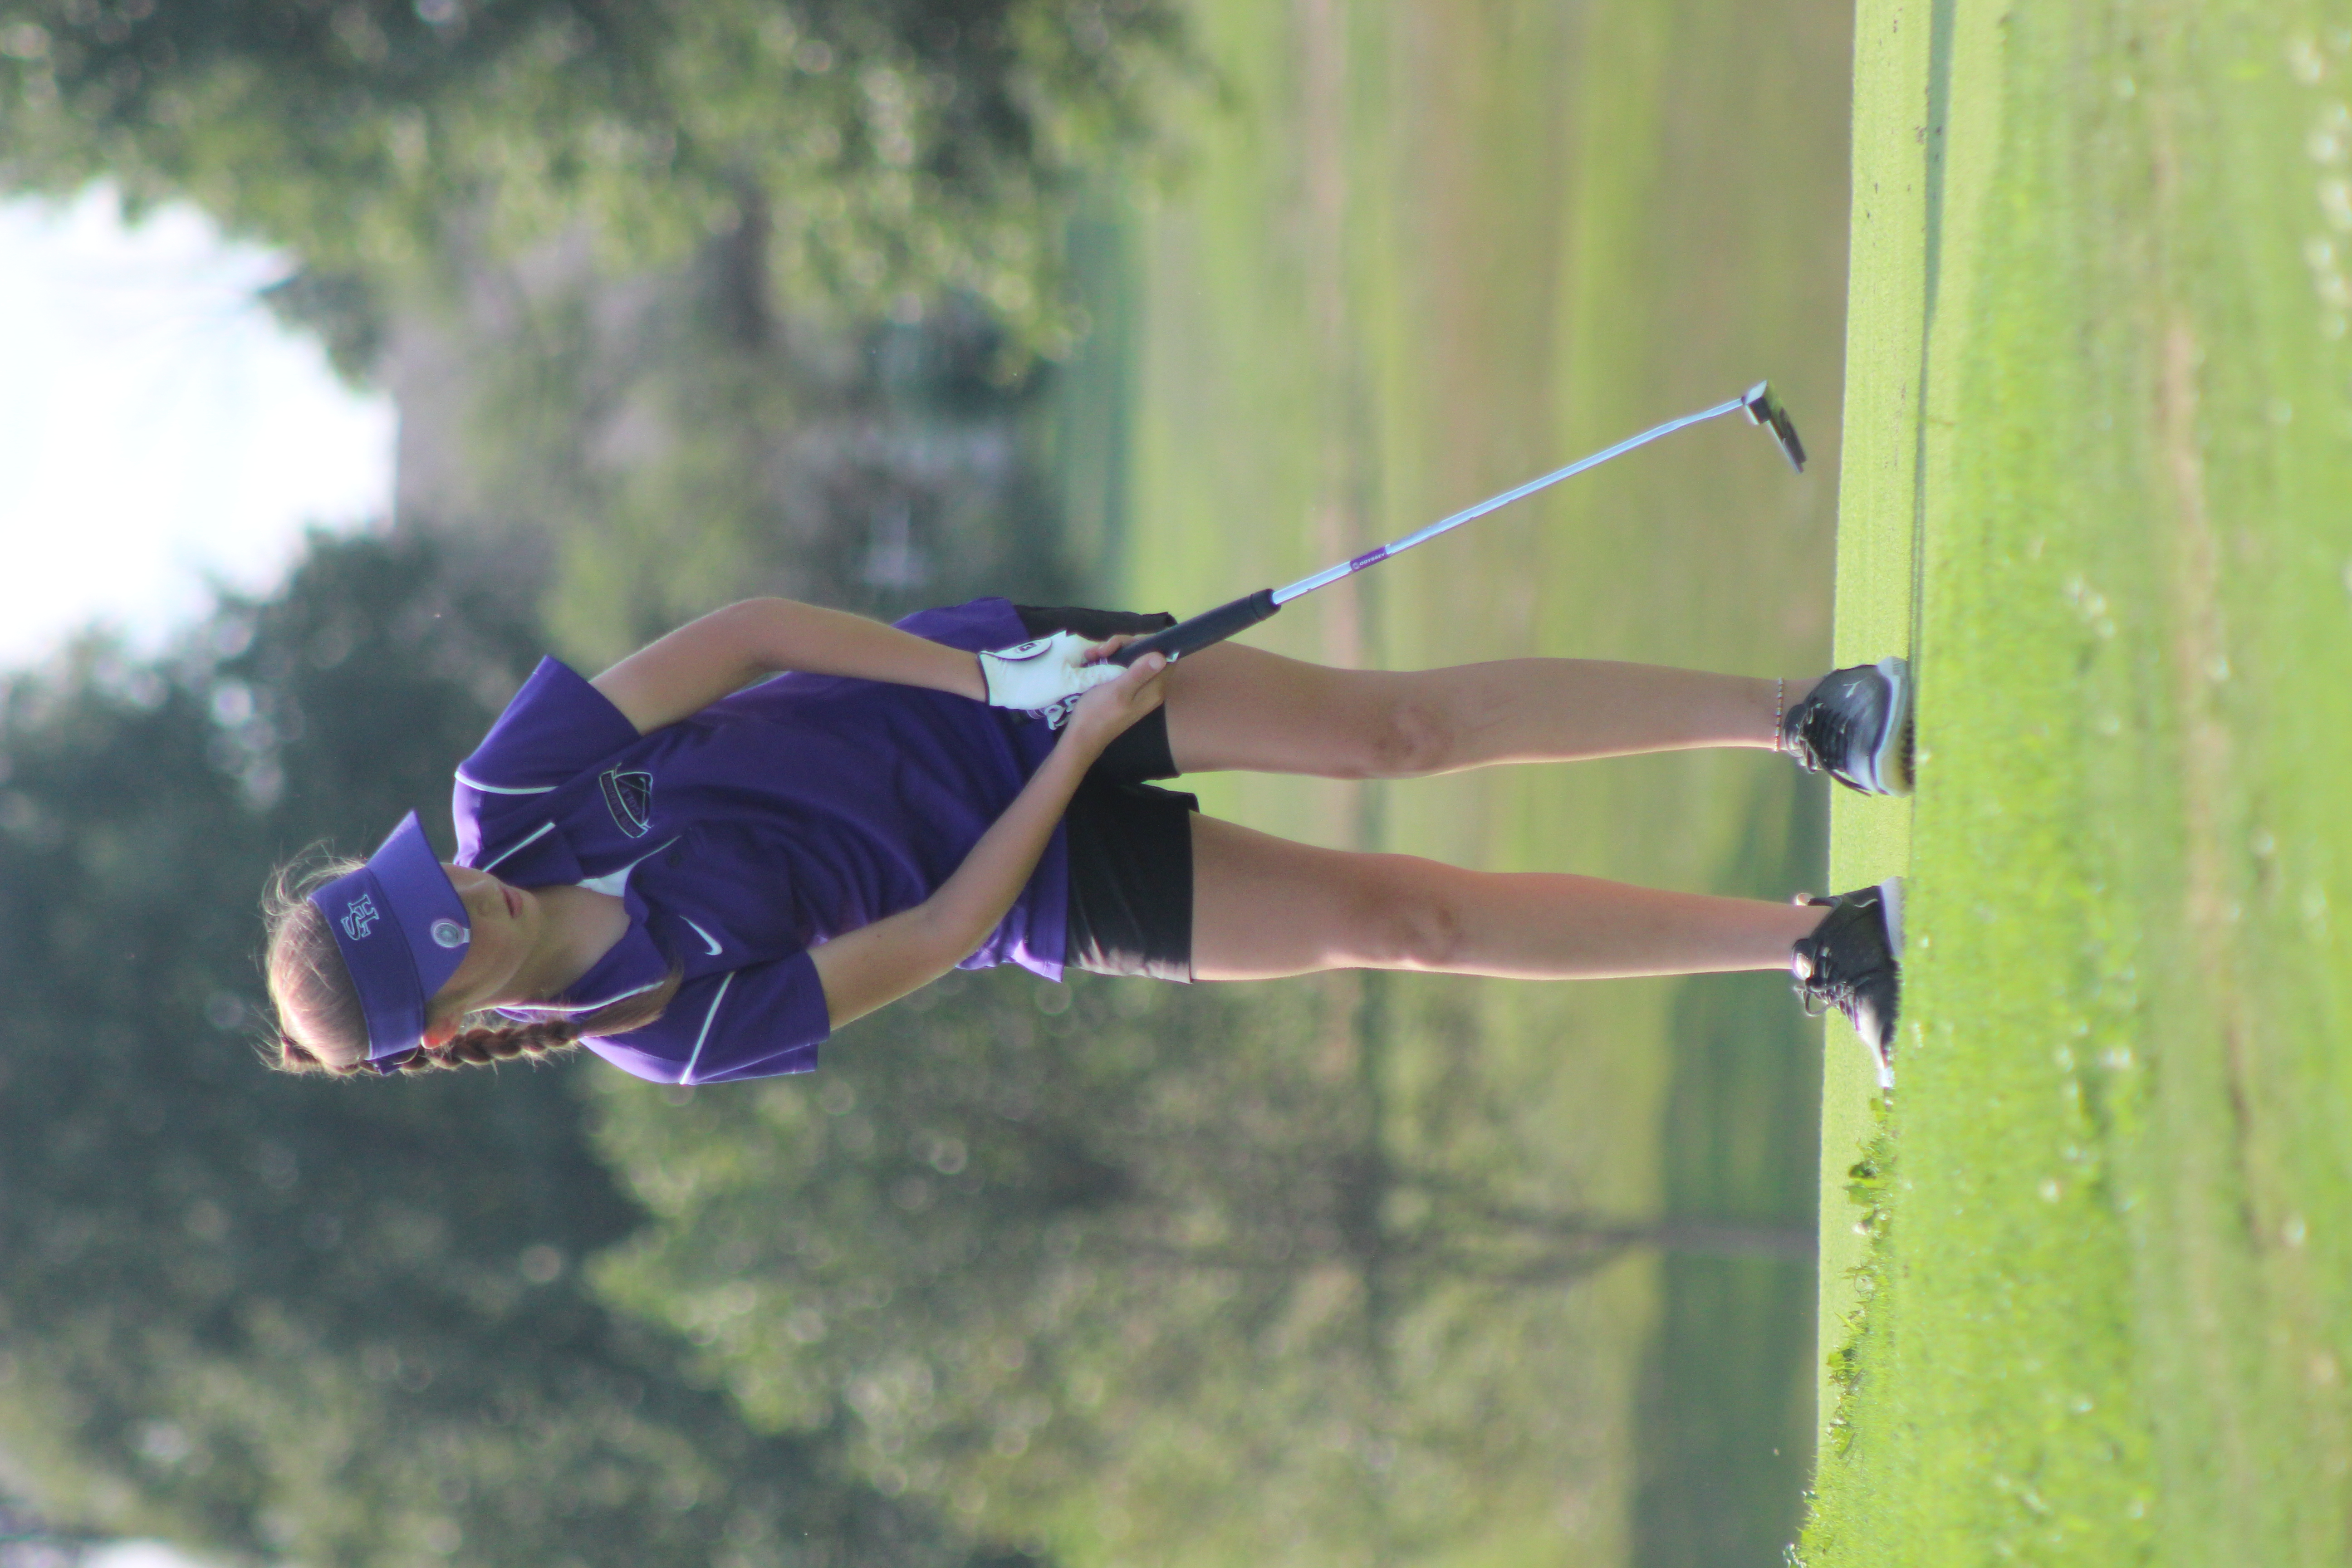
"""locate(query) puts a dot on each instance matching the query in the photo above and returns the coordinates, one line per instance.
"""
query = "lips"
(514, 901)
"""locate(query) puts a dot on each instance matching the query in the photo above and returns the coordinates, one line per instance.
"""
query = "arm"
(728, 649)
(878, 963)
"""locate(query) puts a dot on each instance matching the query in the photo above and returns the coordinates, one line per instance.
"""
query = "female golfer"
(699, 871)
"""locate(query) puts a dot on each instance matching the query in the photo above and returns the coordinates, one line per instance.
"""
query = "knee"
(1405, 920)
(1406, 738)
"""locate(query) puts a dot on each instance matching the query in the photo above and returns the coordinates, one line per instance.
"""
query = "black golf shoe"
(1856, 727)
(1853, 961)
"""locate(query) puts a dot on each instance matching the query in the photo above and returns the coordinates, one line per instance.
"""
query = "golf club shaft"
(1213, 626)
(1331, 574)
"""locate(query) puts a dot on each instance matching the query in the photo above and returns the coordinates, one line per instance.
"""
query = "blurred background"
(363, 351)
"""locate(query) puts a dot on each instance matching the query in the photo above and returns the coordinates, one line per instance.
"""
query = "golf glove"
(1044, 676)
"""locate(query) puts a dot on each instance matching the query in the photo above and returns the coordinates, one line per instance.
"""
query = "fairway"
(2099, 441)
(1427, 254)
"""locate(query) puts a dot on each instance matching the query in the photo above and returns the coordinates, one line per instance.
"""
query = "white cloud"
(157, 424)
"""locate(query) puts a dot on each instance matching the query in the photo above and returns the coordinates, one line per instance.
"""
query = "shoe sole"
(1891, 764)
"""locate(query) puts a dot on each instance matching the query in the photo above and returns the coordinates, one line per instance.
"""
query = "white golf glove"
(1044, 676)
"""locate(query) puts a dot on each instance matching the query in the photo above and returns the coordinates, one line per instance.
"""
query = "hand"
(1035, 676)
(1111, 644)
(1107, 709)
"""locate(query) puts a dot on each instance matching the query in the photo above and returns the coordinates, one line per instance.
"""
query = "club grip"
(1205, 630)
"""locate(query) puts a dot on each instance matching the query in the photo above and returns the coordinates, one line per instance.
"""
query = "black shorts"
(1130, 908)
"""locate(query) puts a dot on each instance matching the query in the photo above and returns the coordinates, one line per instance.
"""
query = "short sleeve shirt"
(752, 832)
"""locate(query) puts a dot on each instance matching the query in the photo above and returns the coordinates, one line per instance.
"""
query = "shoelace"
(1822, 732)
(1817, 990)
(1817, 996)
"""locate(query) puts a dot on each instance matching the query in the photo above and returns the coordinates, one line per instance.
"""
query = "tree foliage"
(1132, 1272)
(881, 147)
(633, 459)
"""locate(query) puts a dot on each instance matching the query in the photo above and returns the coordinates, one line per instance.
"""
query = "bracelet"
(1779, 707)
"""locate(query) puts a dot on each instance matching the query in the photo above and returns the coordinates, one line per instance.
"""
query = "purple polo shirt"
(741, 837)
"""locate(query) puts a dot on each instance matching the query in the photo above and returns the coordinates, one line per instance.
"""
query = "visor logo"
(359, 918)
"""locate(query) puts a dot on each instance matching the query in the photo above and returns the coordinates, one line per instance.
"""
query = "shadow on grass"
(1724, 1430)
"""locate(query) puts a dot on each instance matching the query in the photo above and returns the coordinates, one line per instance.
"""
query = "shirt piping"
(504, 789)
(687, 1076)
(544, 829)
(617, 882)
(616, 996)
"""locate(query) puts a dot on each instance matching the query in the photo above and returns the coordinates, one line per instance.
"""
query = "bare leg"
(1233, 707)
(1264, 907)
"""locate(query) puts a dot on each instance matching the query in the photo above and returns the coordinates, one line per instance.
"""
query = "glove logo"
(1042, 674)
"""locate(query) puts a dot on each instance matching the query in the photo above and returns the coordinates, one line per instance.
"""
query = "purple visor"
(402, 930)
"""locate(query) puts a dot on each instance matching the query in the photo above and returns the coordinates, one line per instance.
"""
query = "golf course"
(886, 304)
(2081, 438)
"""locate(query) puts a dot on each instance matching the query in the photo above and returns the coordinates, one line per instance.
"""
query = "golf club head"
(1765, 409)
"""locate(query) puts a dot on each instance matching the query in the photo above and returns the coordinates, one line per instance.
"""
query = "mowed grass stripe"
(1878, 505)
(2111, 1320)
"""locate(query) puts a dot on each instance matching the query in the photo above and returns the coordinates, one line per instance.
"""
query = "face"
(506, 924)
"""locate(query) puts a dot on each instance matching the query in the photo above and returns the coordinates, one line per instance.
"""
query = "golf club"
(1213, 626)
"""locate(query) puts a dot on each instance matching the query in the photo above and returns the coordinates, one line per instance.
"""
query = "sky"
(138, 1554)
(158, 428)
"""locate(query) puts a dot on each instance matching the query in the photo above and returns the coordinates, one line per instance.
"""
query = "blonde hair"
(322, 1029)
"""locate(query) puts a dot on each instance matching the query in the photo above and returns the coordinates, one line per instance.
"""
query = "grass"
(1431, 251)
(2109, 1320)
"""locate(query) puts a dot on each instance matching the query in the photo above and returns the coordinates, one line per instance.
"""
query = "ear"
(439, 1032)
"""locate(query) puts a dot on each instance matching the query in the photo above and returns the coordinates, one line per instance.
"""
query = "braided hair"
(321, 1027)
(486, 1043)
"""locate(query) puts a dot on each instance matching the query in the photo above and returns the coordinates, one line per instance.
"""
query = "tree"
(1122, 1269)
(879, 148)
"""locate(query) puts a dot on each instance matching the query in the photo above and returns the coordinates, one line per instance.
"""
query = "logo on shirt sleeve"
(360, 917)
(630, 798)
